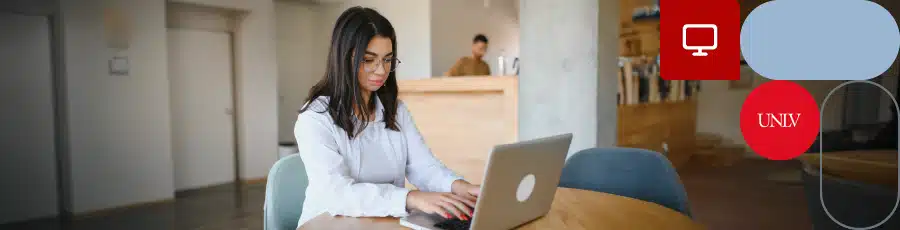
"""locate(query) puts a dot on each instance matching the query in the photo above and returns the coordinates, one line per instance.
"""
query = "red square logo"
(700, 40)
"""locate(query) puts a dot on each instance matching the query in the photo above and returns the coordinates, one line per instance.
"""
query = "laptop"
(519, 185)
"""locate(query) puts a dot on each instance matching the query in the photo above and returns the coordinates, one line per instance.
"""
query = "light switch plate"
(118, 66)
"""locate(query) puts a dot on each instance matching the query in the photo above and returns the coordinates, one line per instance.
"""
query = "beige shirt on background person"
(469, 66)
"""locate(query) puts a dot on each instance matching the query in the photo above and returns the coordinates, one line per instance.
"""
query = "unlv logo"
(780, 120)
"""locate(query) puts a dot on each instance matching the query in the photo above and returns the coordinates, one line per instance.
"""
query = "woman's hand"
(466, 190)
(447, 205)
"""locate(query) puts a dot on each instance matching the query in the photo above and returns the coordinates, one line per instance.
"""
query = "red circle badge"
(780, 120)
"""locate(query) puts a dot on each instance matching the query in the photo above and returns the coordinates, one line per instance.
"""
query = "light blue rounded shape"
(820, 40)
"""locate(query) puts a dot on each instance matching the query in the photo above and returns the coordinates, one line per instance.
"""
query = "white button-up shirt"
(364, 176)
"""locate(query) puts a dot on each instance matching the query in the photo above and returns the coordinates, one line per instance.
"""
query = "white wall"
(120, 146)
(302, 53)
(257, 84)
(455, 23)
(119, 126)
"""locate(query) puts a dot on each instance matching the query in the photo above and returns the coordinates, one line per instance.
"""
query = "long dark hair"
(352, 33)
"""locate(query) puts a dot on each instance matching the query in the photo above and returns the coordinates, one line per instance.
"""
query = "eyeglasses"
(389, 64)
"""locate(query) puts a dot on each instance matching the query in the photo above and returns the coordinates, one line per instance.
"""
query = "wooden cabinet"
(665, 127)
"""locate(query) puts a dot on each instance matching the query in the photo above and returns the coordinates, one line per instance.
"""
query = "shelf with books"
(640, 82)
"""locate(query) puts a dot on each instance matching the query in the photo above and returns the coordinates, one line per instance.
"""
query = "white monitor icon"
(699, 49)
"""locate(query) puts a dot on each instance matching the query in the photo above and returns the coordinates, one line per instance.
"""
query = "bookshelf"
(654, 113)
(640, 81)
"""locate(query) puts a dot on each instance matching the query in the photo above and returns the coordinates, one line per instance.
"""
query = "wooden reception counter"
(462, 118)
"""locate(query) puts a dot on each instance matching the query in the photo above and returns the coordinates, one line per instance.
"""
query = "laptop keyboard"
(454, 224)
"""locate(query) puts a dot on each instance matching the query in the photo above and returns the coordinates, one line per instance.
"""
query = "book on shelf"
(639, 81)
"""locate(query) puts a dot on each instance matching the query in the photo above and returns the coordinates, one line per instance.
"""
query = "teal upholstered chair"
(285, 192)
(637, 173)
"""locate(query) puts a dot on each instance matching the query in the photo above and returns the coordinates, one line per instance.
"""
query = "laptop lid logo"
(526, 186)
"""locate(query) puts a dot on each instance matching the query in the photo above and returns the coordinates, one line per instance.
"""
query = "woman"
(359, 143)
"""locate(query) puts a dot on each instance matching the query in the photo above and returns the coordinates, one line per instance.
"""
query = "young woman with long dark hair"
(359, 142)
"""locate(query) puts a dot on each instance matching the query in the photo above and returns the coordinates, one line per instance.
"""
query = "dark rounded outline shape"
(821, 165)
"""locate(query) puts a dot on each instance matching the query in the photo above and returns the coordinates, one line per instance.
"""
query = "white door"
(200, 76)
(27, 152)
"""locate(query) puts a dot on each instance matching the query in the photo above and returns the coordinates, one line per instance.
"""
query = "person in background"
(359, 142)
(472, 66)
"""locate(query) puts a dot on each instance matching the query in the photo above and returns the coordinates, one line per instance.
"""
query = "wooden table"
(571, 209)
(869, 166)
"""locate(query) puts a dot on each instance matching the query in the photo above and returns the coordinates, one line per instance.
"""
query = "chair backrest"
(637, 173)
(285, 193)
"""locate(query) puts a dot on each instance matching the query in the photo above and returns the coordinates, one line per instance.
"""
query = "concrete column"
(567, 82)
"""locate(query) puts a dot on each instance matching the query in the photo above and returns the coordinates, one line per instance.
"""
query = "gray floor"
(733, 198)
(213, 208)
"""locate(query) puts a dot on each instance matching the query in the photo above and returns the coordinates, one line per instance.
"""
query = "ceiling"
(325, 1)
(315, 1)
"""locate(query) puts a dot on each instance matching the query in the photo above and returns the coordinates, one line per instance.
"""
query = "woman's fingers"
(475, 190)
(437, 209)
(448, 205)
(466, 199)
(452, 208)
(474, 199)
(459, 203)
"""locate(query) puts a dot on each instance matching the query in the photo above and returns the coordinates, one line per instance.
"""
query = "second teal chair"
(285, 193)
(637, 173)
